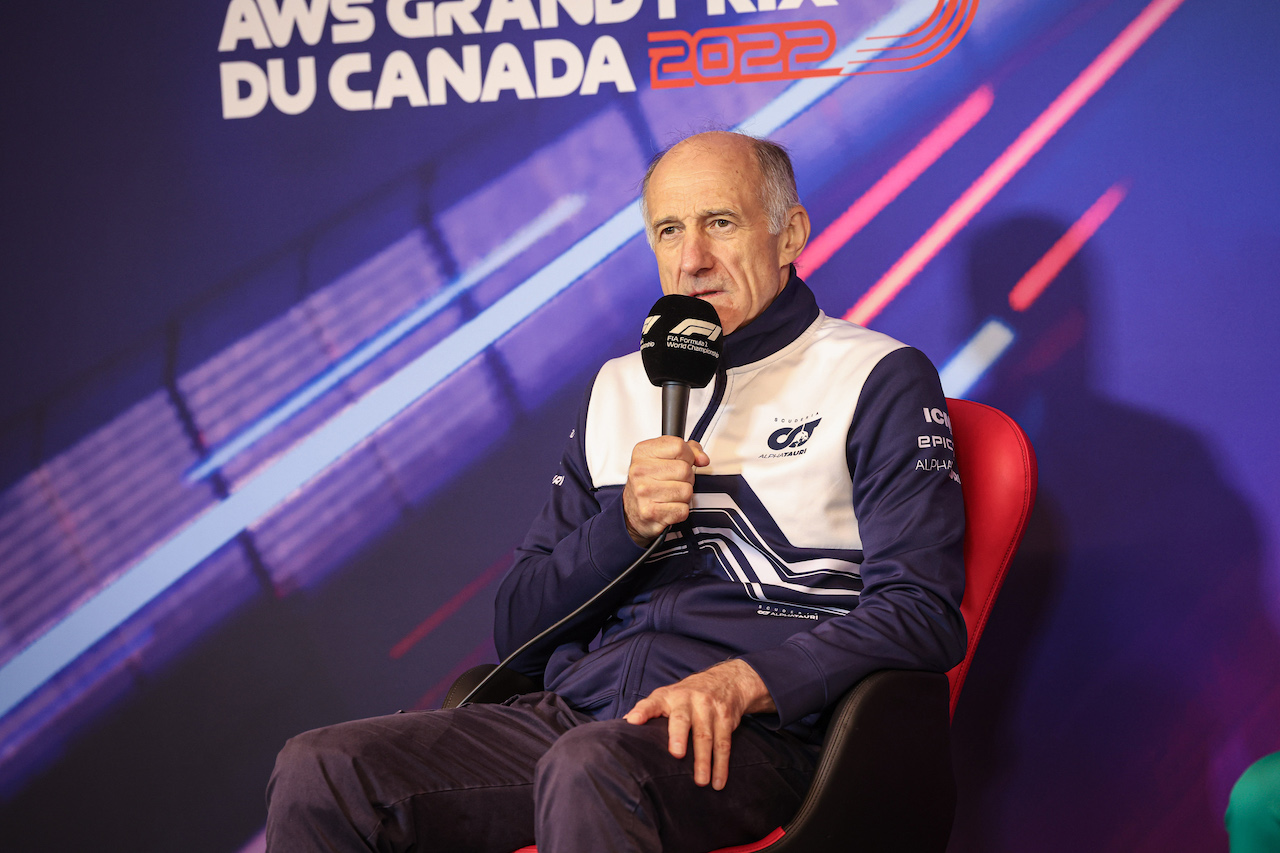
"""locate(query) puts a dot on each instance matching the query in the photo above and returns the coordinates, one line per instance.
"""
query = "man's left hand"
(706, 707)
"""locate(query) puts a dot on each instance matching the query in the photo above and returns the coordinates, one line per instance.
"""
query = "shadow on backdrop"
(1130, 649)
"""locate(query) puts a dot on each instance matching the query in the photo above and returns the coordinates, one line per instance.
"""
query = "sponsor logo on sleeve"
(924, 442)
(937, 416)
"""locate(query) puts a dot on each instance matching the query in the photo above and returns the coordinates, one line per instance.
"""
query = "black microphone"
(680, 346)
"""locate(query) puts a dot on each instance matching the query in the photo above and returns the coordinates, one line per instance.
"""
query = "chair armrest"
(884, 781)
(501, 687)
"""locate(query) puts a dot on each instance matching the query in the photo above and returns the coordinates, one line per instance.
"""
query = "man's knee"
(612, 747)
(594, 782)
(307, 768)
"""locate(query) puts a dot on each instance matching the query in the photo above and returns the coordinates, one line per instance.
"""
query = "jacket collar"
(790, 313)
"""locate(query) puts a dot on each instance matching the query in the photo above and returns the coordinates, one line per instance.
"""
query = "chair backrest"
(997, 469)
(886, 763)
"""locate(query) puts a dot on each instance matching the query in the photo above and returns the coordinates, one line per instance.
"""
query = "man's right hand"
(660, 485)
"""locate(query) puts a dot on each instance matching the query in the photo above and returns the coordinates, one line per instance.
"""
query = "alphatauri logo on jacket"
(791, 440)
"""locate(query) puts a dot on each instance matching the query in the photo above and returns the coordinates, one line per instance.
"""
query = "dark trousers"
(494, 778)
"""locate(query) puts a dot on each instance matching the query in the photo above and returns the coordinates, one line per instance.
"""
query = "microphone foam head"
(681, 341)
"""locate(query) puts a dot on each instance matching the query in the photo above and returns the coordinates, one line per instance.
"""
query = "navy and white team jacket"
(824, 540)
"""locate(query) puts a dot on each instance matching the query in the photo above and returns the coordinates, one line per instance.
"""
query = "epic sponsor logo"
(924, 442)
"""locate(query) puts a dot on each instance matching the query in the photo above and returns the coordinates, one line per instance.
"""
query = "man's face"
(710, 231)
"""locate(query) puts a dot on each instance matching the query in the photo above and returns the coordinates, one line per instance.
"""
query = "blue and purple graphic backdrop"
(301, 296)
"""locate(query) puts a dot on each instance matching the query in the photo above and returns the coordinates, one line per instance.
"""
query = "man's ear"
(794, 236)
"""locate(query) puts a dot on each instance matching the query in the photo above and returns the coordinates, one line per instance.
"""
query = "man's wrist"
(640, 541)
(755, 695)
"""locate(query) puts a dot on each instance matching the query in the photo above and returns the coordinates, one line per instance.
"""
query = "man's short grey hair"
(778, 191)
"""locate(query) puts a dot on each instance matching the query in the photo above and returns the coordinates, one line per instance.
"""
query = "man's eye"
(721, 223)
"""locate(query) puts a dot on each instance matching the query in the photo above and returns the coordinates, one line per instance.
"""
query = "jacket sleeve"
(575, 547)
(910, 515)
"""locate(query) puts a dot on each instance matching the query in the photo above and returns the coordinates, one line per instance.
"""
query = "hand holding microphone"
(680, 347)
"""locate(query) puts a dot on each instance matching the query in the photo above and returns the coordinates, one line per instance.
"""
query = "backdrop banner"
(301, 297)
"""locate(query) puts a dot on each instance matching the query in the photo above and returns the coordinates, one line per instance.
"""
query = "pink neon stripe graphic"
(451, 606)
(894, 181)
(1011, 161)
(1036, 279)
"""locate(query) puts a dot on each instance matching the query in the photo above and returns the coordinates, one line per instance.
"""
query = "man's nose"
(695, 253)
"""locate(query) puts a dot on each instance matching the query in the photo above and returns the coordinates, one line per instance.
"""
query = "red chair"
(997, 468)
(884, 781)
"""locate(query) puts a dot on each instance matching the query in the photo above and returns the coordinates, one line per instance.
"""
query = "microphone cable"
(546, 632)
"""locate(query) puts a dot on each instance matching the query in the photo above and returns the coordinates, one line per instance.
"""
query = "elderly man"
(815, 537)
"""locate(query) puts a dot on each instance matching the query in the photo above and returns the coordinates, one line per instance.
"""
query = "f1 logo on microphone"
(692, 327)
